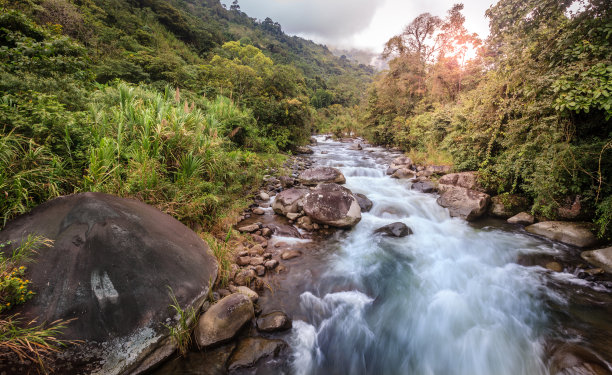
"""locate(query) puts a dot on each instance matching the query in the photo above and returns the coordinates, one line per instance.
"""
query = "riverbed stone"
(249, 228)
(522, 218)
(259, 211)
(578, 234)
(252, 349)
(554, 266)
(245, 277)
(303, 150)
(271, 264)
(317, 175)
(290, 254)
(289, 201)
(111, 265)
(401, 162)
(423, 186)
(403, 173)
(332, 204)
(464, 203)
(364, 203)
(600, 258)
(246, 291)
(274, 321)
(264, 196)
(397, 229)
(223, 320)
(355, 146)
(467, 180)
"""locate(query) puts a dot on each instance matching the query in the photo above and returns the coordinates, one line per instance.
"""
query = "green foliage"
(187, 319)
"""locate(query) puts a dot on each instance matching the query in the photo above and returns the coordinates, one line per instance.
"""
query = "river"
(452, 298)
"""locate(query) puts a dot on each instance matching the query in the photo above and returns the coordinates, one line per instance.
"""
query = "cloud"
(329, 20)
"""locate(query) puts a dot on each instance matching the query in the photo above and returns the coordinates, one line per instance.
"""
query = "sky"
(363, 24)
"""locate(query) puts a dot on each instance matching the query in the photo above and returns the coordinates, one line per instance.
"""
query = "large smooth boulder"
(394, 230)
(317, 175)
(110, 268)
(333, 205)
(289, 201)
(252, 349)
(507, 205)
(464, 203)
(364, 202)
(599, 258)
(578, 234)
(468, 180)
(222, 321)
(522, 218)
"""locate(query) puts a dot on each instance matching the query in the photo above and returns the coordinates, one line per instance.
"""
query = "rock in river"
(600, 258)
(110, 267)
(274, 321)
(224, 319)
(333, 205)
(522, 218)
(395, 230)
(468, 180)
(289, 201)
(572, 233)
(364, 202)
(464, 203)
(314, 176)
(252, 349)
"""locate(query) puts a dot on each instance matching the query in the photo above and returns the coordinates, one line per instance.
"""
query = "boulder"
(355, 146)
(246, 291)
(245, 277)
(438, 169)
(223, 320)
(522, 218)
(332, 204)
(394, 230)
(274, 321)
(423, 186)
(303, 150)
(600, 258)
(258, 211)
(390, 171)
(507, 205)
(468, 180)
(289, 201)
(403, 173)
(264, 196)
(249, 228)
(464, 203)
(578, 234)
(401, 162)
(364, 203)
(271, 264)
(286, 181)
(111, 265)
(315, 176)
(283, 230)
(252, 349)
(290, 254)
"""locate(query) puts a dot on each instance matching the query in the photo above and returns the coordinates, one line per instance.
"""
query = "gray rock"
(264, 196)
(464, 203)
(245, 277)
(403, 173)
(289, 201)
(333, 205)
(395, 230)
(249, 228)
(423, 186)
(223, 320)
(355, 146)
(286, 181)
(391, 170)
(110, 267)
(252, 349)
(578, 234)
(271, 264)
(274, 321)
(314, 176)
(401, 162)
(468, 180)
(600, 258)
(253, 296)
(522, 218)
(364, 203)
(258, 211)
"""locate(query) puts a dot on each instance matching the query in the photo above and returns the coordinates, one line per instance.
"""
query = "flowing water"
(451, 298)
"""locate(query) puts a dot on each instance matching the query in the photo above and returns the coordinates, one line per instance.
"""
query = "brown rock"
(290, 254)
(274, 321)
(522, 218)
(319, 175)
(333, 205)
(252, 349)
(572, 233)
(464, 203)
(223, 320)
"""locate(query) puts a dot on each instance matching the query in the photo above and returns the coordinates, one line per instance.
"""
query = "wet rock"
(575, 360)
(293, 216)
(468, 180)
(264, 196)
(259, 211)
(266, 232)
(522, 218)
(324, 152)
(212, 362)
(305, 222)
(554, 266)
(249, 228)
(394, 230)
(578, 234)
(274, 321)
(332, 204)
(110, 266)
(303, 150)
(319, 175)
(260, 270)
(223, 320)
(243, 261)
(355, 146)
(390, 171)
(259, 239)
(252, 349)
(313, 141)
(253, 296)
(290, 254)
(286, 181)
(256, 261)
(271, 264)
(423, 186)
(507, 205)
(289, 201)
(464, 203)
(364, 203)
(600, 258)
(403, 173)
